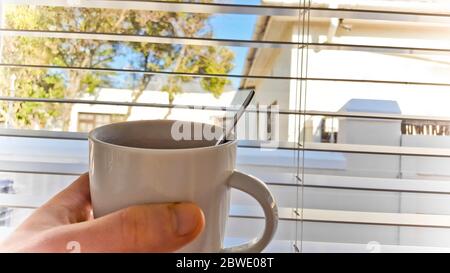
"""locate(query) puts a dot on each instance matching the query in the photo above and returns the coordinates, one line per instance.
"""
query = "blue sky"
(230, 26)
(225, 26)
(233, 26)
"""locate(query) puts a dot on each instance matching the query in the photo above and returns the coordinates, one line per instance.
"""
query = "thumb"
(143, 228)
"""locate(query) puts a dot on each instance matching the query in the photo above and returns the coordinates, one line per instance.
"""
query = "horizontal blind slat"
(356, 148)
(147, 72)
(274, 10)
(319, 181)
(378, 149)
(350, 148)
(208, 75)
(120, 37)
(345, 182)
(349, 217)
(219, 42)
(288, 214)
(359, 115)
(439, 16)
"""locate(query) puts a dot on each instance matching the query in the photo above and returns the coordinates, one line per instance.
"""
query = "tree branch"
(121, 19)
(137, 93)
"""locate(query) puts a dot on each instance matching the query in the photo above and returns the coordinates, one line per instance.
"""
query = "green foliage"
(33, 84)
(40, 83)
(90, 82)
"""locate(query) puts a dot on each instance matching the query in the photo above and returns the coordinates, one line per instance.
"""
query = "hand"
(66, 221)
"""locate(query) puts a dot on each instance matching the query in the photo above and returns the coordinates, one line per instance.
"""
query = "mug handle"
(261, 193)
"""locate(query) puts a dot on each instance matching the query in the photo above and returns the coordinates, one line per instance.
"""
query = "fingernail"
(187, 217)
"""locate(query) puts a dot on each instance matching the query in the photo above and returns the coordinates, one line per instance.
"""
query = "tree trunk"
(65, 117)
(72, 91)
(169, 111)
(146, 79)
(137, 93)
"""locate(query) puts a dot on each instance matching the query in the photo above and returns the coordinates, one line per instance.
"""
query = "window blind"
(362, 151)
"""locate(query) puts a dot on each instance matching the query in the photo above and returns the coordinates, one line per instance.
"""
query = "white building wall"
(371, 132)
(269, 91)
(426, 167)
(332, 95)
(157, 97)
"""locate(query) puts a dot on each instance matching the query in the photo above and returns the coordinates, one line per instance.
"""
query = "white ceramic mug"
(140, 162)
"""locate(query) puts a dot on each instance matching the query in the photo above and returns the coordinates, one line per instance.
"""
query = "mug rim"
(92, 138)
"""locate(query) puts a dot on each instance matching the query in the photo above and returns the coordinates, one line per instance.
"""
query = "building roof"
(432, 6)
(258, 33)
(371, 106)
(417, 6)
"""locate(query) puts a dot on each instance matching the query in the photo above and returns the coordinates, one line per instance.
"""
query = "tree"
(179, 58)
(32, 84)
(99, 53)
(29, 83)
(49, 51)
